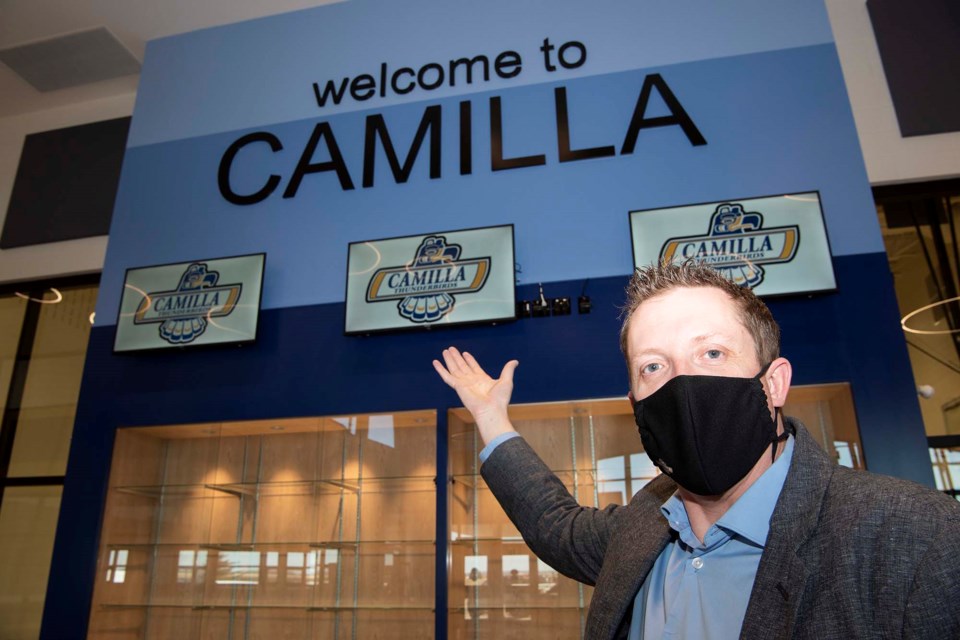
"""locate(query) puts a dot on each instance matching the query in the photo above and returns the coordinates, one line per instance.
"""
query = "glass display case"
(293, 528)
(497, 587)
(828, 413)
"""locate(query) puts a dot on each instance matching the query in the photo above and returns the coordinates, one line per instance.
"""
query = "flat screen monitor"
(189, 304)
(775, 245)
(435, 279)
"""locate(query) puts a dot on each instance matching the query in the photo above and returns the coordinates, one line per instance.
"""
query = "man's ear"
(630, 397)
(778, 379)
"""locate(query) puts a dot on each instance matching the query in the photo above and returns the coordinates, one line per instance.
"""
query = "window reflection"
(330, 557)
(547, 578)
(475, 569)
(117, 565)
(238, 567)
(946, 469)
(611, 480)
(848, 454)
(613, 473)
(191, 566)
(295, 561)
(380, 429)
(273, 566)
(516, 579)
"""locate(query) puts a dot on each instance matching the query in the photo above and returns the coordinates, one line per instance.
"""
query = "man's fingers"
(453, 360)
(463, 367)
(507, 374)
(444, 374)
(473, 364)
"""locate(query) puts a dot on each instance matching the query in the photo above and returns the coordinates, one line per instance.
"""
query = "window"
(44, 331)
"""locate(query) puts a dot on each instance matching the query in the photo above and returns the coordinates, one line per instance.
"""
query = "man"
(752, 531)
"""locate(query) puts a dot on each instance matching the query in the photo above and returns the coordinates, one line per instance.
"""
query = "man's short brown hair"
(650, 281)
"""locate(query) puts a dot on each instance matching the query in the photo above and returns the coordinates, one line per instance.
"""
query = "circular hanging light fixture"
(928, 332)
(44, 300)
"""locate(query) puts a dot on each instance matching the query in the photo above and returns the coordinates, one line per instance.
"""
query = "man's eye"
(713, 354)
(653, 367)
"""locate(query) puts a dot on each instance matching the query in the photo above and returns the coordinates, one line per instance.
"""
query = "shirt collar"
(749, 517)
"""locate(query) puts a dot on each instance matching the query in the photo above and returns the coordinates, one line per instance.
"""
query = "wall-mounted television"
(776, 245)
(188, 304)
(435, 279)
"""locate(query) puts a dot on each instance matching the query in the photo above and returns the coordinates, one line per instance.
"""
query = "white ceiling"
(133, 22)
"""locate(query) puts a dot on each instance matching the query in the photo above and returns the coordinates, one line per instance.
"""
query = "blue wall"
(759, 78)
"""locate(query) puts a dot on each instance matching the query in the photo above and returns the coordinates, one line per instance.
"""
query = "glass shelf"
(566, 476)
(281, 607)
(253, 546)
(406, 484)
(545, 607)
(502, 540)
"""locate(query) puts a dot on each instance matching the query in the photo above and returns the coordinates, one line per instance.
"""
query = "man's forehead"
(695, 314)
(683, 300)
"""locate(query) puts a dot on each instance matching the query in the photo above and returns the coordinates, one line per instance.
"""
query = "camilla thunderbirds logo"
(184, 313)
(736, 245)
(425, 286)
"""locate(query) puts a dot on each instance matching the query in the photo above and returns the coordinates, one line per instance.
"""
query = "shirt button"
(697, 563)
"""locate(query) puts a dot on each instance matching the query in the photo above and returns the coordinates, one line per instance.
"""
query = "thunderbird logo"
(425, 286)
(184, 313)
(736, 245)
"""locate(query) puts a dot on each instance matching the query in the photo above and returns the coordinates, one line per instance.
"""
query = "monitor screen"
(775, 245)
(436, 279)
(201, 302)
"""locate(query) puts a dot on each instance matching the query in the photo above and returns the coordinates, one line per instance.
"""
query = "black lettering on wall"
(330, 90)
(563, 134)
(376, 127)
(363, 87)
(305, 166)
(508, 64)
(226, 162)
(572, 62)
(396, 74)
(466, 138)
(678, 115)
(497, 161)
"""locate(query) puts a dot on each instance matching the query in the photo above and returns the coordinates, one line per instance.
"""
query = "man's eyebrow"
(711, 336)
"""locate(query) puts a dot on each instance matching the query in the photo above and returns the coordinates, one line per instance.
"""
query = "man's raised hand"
(485, 398)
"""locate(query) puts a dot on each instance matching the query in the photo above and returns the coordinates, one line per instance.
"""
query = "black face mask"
(707, 432)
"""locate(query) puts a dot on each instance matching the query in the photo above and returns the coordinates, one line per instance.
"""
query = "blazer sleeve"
(932, 609)
(570, 538)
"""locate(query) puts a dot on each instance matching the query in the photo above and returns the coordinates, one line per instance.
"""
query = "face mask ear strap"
(777, 439)
(764, 369)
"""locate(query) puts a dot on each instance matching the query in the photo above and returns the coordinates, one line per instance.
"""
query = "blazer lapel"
(782, 574)
(628, 560)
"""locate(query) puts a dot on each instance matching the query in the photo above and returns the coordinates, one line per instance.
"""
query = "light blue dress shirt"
(701, 590)
(503, 437)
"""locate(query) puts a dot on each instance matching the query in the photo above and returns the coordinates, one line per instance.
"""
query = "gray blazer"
(849, 554)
